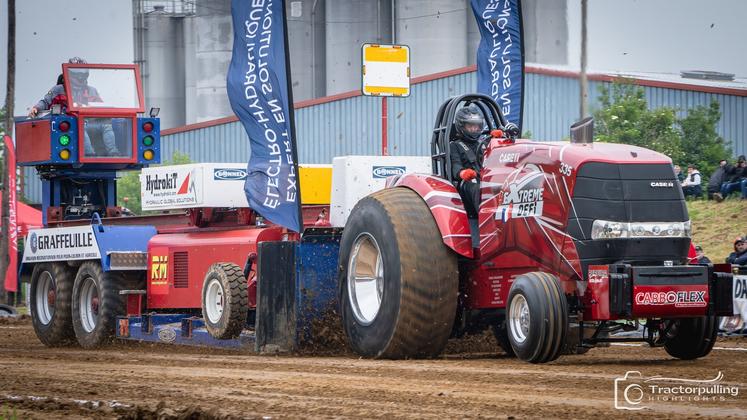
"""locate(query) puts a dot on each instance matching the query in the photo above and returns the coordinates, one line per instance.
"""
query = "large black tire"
(419, 279)
(227, 318)
(541, 339)
(7, 310)
(51, 307)
(104, 305)
(691, 338)
(500, 331)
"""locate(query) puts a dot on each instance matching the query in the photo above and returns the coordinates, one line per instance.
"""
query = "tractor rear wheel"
(398, 281)
(51, 299)
(537, 317)
(225, 301)
(691, 338)
(97, 304)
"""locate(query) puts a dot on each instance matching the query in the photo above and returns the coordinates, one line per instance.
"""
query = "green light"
(64, 139)
(148, 140)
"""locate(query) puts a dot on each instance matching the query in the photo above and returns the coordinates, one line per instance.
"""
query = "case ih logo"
(662, 184)
(221, 174)
(387, 171)
(678, 299)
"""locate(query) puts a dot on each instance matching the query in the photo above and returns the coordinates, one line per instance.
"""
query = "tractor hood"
(576, 154)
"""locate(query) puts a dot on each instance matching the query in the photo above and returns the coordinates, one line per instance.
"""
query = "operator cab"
(444, 130)
(95, 125)
(91, 133)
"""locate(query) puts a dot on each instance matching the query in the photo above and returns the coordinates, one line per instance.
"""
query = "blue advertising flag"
(260, 95)
(500, 56)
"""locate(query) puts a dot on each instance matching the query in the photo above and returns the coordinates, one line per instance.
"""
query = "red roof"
(27, 217)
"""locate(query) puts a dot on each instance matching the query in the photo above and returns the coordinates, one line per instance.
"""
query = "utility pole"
(9, 97)
(582, 75)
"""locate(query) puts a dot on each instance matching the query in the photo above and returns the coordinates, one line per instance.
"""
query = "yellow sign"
(159, 269)
(386, 70)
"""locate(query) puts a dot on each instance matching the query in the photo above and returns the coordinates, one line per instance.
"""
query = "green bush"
(624, 117)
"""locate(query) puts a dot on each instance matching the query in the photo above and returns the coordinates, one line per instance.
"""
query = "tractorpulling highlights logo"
(634, 392)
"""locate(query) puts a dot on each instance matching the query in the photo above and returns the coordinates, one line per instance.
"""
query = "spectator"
(739, 256)
(678, 174)
(700, 256)
(691, 185)
(735, 175)
(717, 178)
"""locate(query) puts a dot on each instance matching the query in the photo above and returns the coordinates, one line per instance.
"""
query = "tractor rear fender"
(446, 207)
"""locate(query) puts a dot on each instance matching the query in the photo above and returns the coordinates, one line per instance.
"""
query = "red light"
(64, 126)
(497, 133)
(148, 127)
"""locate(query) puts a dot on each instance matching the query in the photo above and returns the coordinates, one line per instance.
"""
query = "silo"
(473, 34)
(190, 69)
(214, 39)
(306, 44)
(350, 23)
(163, 81)
(435, 31)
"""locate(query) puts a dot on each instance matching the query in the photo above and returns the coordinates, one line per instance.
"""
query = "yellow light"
(64, 154)
(148, 154)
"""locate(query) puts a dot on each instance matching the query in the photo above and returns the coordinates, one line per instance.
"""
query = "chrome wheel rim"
(365, 279)
(88, 304)
(518, 318)
(214, 301)
(46, 294)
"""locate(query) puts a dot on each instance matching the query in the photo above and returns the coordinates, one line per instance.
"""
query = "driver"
(82, 93)
(466, 156)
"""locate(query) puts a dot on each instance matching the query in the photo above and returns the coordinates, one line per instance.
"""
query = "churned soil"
(474, 379)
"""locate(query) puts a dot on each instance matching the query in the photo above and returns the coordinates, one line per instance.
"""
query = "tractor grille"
(624, 193)
(181, 270)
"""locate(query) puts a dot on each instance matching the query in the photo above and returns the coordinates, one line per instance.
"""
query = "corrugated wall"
(352, 126)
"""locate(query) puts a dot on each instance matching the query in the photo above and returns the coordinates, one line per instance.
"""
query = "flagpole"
(292, 117)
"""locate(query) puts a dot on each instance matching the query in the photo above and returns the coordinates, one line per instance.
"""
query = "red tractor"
(574, 242)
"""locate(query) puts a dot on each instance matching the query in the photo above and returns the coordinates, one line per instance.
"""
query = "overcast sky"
(48, 32)
(664, 36)
(624, 35)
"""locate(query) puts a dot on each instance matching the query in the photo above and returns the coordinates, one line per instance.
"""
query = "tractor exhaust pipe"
(583, 131)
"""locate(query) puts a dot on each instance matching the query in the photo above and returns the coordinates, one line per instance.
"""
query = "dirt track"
(147, 381)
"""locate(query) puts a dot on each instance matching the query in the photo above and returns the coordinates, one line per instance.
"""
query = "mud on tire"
(97, 304)
(225, 301)
(403, 303)
(691, 338)
(51, 300)
(537, 317)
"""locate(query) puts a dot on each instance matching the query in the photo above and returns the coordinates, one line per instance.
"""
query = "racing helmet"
(469, 122)
(79, 76)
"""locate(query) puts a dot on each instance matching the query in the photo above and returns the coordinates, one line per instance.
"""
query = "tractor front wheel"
(537, 317)
(691, 338)
(398, 281)
(225, 301)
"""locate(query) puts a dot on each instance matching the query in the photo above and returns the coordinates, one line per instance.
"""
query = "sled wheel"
(398, 281)
(50, 299)
(500, 331)
(7, 310)
(225, 302)
(537, 317)
(691, 338)
(97, 304)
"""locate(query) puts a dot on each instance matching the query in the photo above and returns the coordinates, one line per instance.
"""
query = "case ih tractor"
(574, 241)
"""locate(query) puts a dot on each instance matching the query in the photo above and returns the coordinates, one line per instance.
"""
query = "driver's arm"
(456, 160)
(46, 102)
